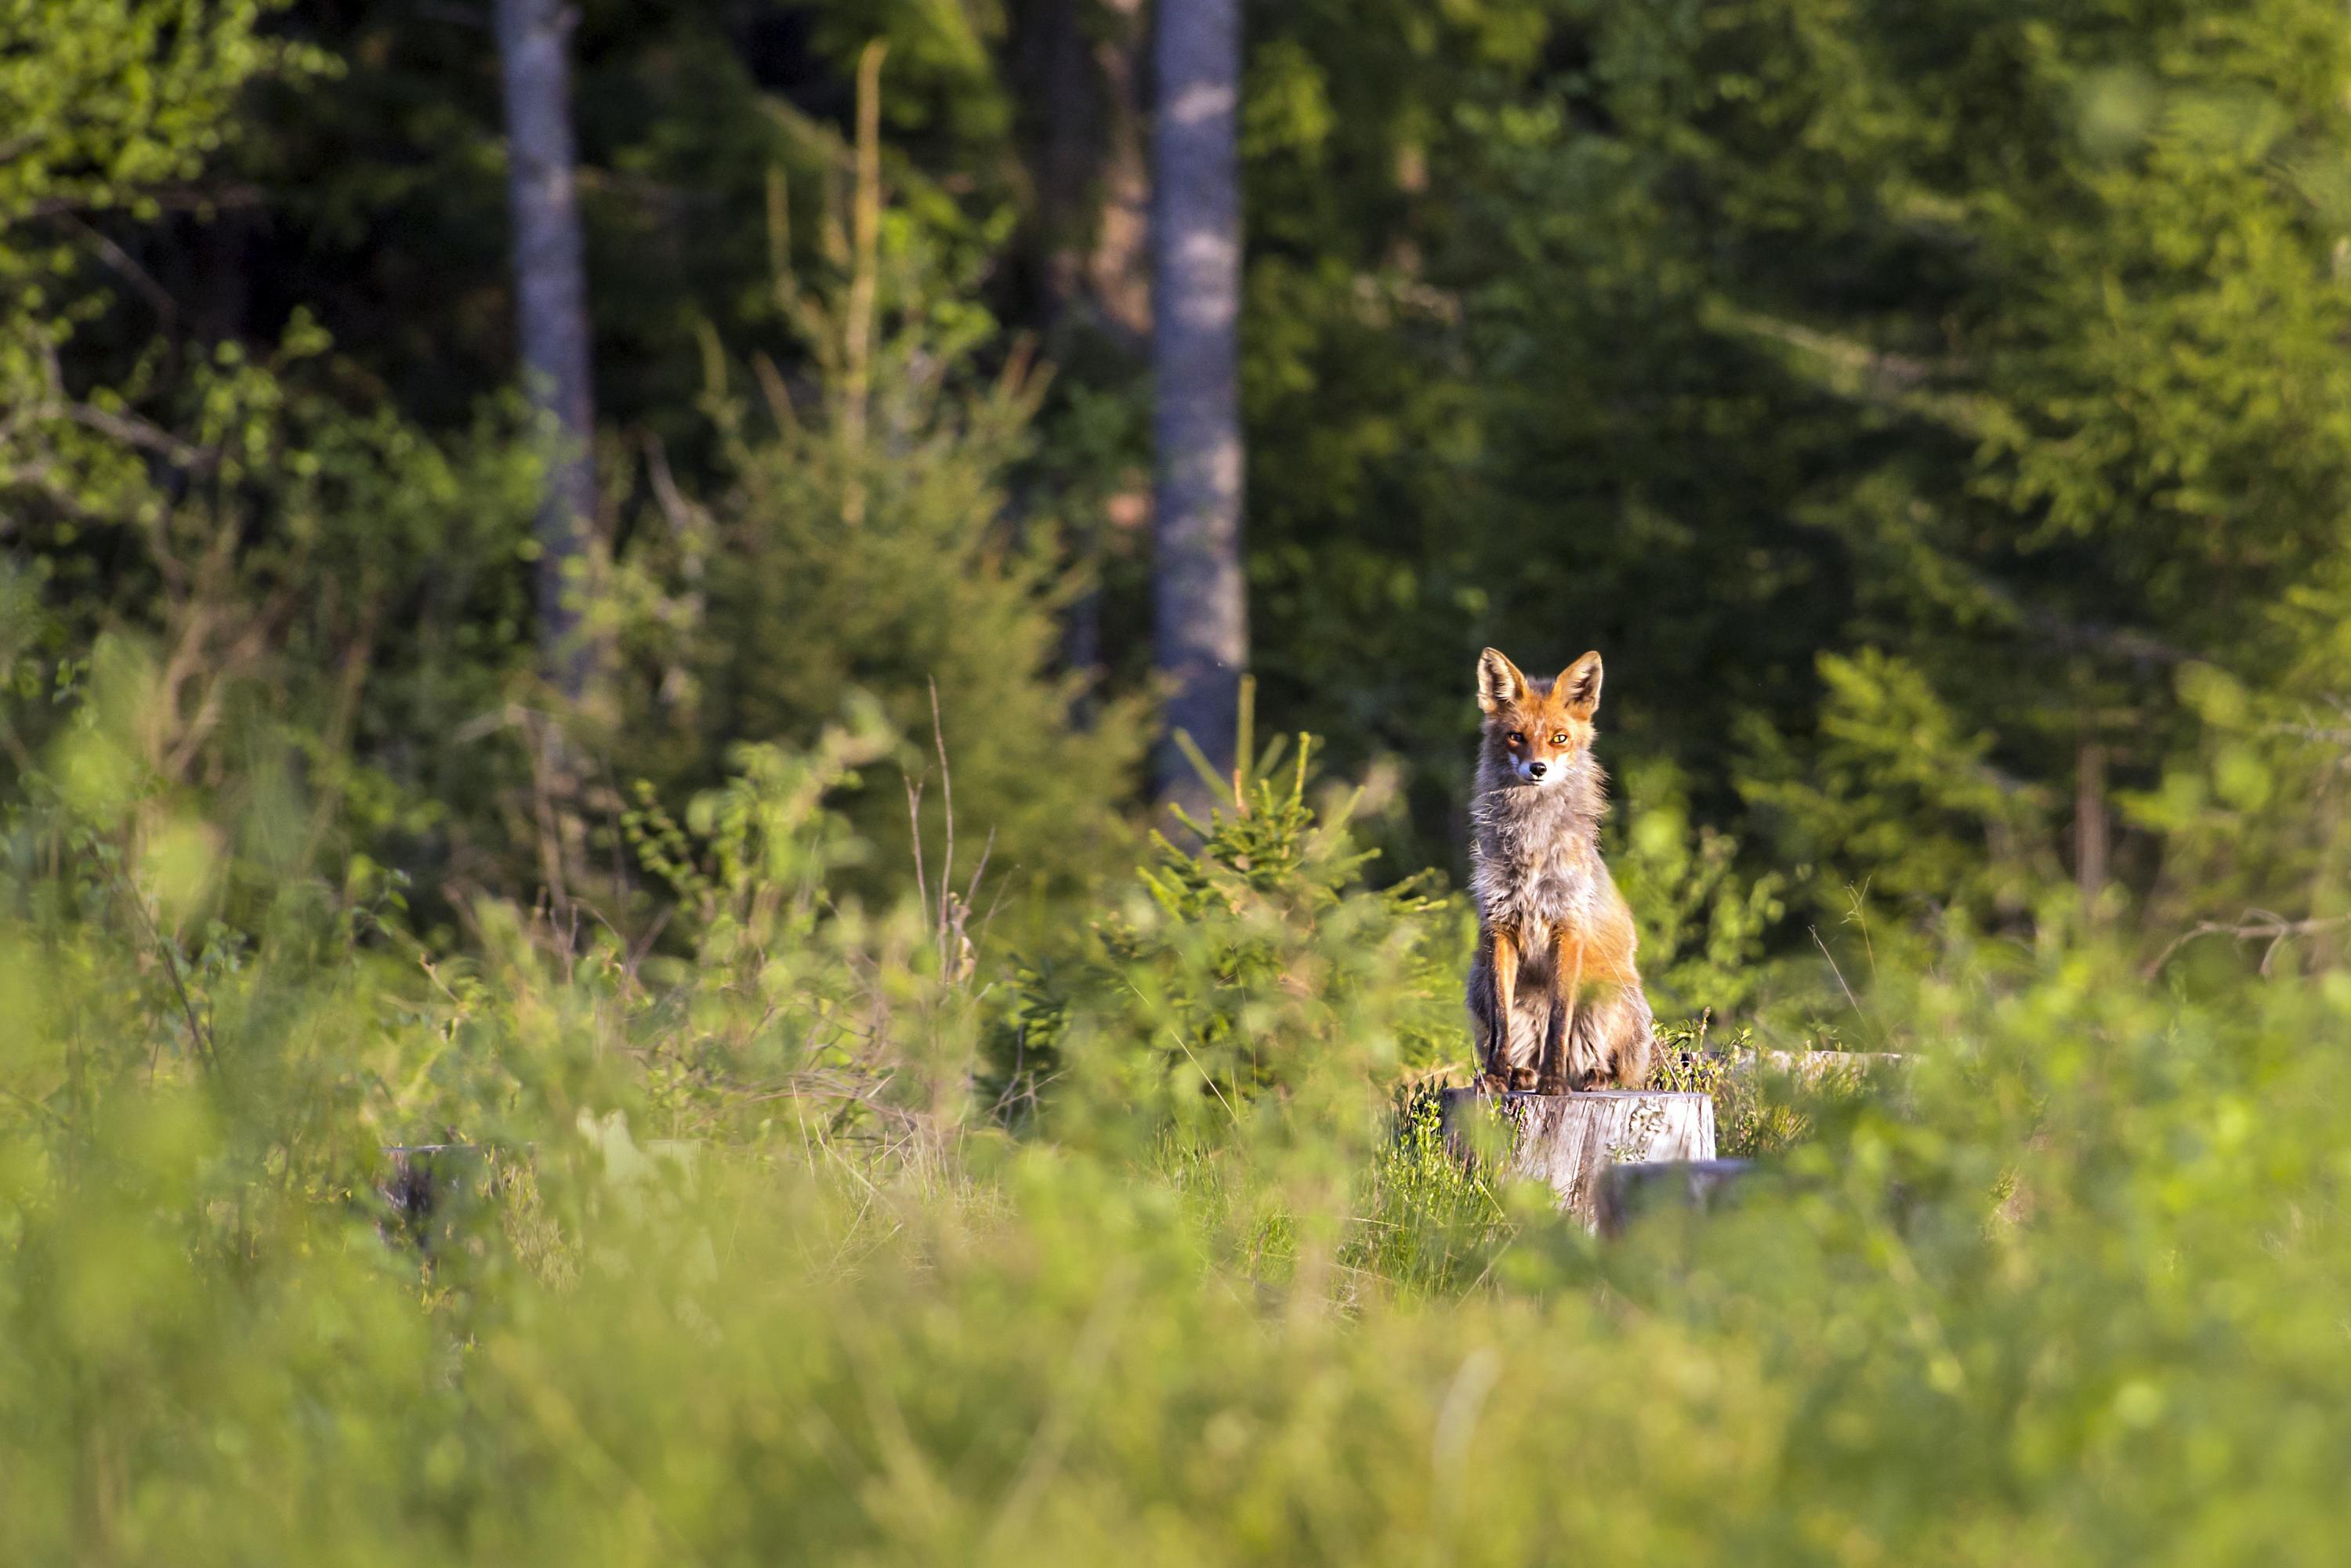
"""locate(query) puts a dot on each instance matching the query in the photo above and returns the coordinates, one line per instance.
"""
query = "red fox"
(1553, 993)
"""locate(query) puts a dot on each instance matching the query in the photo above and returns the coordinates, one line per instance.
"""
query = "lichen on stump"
(1568, 1140)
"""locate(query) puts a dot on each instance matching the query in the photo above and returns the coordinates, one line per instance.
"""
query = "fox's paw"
(1522, 1078)
(1550, 1085)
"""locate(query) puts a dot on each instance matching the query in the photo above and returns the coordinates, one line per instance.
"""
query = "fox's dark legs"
(1549, 1078)
(1506, 998)
(1493, 1001)
(1567, 996)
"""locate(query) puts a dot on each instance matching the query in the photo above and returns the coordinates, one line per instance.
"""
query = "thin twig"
(971, 890)
(200, 1039)
(914, 822)
(2257, 924)
(1858, 914)
(1838, 973)
(134, 431)
(989, 920)
(27, 1101)
(1205, 1078)
(947, 805)
(120, 261)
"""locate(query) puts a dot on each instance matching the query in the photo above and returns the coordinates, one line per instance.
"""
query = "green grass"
(755, 1271)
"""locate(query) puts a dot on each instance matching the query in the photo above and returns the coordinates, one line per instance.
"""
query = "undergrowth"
(758, 1261)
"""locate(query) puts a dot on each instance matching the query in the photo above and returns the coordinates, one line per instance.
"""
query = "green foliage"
(2252, 817)
(1882, 393)
(1256, 964)
(1909, 410)
(111, 105)
(2072, 1296)
(1758, 1112)
(314, 589)
(270, 580)
(1428, 1224)
(109, 99)
(863, 543)
(1891, 782)
(348, 591)
(1703, 924)
(1923, 408)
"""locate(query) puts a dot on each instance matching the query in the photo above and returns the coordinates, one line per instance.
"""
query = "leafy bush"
(1242, 969)
(1703, 923)
(864, 539)
(2076, 1302)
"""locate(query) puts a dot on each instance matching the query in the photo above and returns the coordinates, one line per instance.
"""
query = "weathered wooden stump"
(1628, 1191)
(1569, 1141)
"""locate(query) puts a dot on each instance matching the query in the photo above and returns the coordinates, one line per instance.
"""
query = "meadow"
(809, 1244)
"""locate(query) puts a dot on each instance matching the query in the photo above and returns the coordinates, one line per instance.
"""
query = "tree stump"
(1627, 1192)
(1569, 1141)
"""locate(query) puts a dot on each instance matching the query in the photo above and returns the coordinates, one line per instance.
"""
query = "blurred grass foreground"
(809, 1246)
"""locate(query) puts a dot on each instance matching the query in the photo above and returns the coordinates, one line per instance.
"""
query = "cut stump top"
(1569, 1141)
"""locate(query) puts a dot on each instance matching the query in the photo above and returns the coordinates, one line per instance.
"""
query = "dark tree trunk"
(1117, 270)
(552, 314)
(1082, 66)
(1080, 63)
(1200, 607)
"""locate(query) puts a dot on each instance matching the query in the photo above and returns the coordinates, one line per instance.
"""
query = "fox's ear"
(1498, 680)
(1580, 684)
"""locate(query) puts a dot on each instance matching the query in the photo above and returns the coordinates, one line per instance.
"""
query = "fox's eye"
(1517, 739)
(1559, 739)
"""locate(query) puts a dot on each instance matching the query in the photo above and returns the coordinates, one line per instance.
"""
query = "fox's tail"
(1605, 1037)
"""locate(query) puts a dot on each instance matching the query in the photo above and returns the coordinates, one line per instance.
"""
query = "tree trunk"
(1200, 634)
(551, 315)
(1080, 63)
(1569, 1142)
(1080, 67)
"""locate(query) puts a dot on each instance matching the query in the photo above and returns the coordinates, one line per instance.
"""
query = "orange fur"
(1554, 990)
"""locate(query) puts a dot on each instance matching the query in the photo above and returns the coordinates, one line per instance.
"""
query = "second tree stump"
(1568, 1140)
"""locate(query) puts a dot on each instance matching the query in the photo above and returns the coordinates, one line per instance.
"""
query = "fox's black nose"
(1537, 769)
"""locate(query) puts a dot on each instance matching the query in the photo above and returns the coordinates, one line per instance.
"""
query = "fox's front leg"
(1550, 1077)
(1502, 971)
(1567, 957)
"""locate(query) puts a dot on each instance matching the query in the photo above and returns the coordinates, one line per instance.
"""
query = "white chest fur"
(1535, 863)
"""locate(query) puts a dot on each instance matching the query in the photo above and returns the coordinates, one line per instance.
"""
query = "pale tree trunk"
(551, 315)
(1200, 634)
